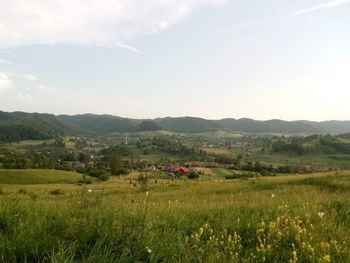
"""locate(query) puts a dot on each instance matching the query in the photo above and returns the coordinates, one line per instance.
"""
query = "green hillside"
(270, 126)
(18, 126)
(38, 176)
(188, 124)
(34, 126)
(100, 124)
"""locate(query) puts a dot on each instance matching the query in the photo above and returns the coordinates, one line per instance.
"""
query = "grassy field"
(31, 176)
(277, 219)
(22, 144)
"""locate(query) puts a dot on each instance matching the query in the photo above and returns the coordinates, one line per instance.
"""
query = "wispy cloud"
(330, 4)
(30, 77)
(93, 22)
(5, 82)
(121, 45)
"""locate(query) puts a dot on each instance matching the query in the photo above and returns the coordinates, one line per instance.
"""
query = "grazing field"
(276, 219)
(32, 176)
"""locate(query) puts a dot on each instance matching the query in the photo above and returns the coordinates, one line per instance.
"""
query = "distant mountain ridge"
(21, 125)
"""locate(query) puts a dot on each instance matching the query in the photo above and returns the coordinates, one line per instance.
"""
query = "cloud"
(25, 98)
(5, 82)
(330, 4)
(90, 22)
(30, 77)
(3, 61)
(121, 45)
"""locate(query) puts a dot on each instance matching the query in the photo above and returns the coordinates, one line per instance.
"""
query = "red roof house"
(182, 170)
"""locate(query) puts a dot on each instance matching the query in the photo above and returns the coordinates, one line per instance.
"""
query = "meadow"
(36, 176)
(304, 218)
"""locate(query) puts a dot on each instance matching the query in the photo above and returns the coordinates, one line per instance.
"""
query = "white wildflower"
(149, 251)
(320, 214)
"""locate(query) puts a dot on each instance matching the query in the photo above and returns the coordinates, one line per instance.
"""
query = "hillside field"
(304, 218)
(36, 176)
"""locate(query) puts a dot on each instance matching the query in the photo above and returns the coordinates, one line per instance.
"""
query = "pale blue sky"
(206, 58)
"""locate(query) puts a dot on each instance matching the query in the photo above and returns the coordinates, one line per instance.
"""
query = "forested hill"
(20, 126)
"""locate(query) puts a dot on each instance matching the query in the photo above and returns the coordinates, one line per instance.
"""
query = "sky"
(270, 59)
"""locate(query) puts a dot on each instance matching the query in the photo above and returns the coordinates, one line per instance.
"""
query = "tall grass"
(181, 221)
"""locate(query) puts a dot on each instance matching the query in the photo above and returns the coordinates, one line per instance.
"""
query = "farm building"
(182, 170)
(176, 169)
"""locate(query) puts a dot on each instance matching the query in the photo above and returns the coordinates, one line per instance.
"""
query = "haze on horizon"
(205, 58)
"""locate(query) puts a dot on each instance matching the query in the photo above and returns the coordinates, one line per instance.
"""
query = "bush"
(84, 181)
(56, 192)
(265, 173)
(22, 191)
(142, 178)
(103, 177)
(193, 175)
(122, 171)
(93, 172)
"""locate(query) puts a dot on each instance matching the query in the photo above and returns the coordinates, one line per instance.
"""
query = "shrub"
(22, 191)
(122, 171)
(103, 177)
(239, 176)
(84, 181)
(265, 173)
(193, 175)
(142, 178)
(97, 173)
(56, 192)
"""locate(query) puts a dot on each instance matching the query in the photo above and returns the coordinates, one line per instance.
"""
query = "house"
(176, 169)
(214, 164)
(183, 170)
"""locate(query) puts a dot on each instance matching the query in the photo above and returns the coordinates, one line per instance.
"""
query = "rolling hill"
(270, 126)
(99, 124)
(188, 124)
(17, 126)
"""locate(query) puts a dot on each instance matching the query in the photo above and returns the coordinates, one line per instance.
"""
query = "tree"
(257, 167)
(115, 163)
(238, 161)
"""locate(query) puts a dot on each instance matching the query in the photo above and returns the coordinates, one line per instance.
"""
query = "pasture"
(275, 219)
(36, 176)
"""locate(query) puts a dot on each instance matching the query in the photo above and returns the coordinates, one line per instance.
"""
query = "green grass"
(37, 176)
(279, 219)
(221, 172)
(23, 144)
